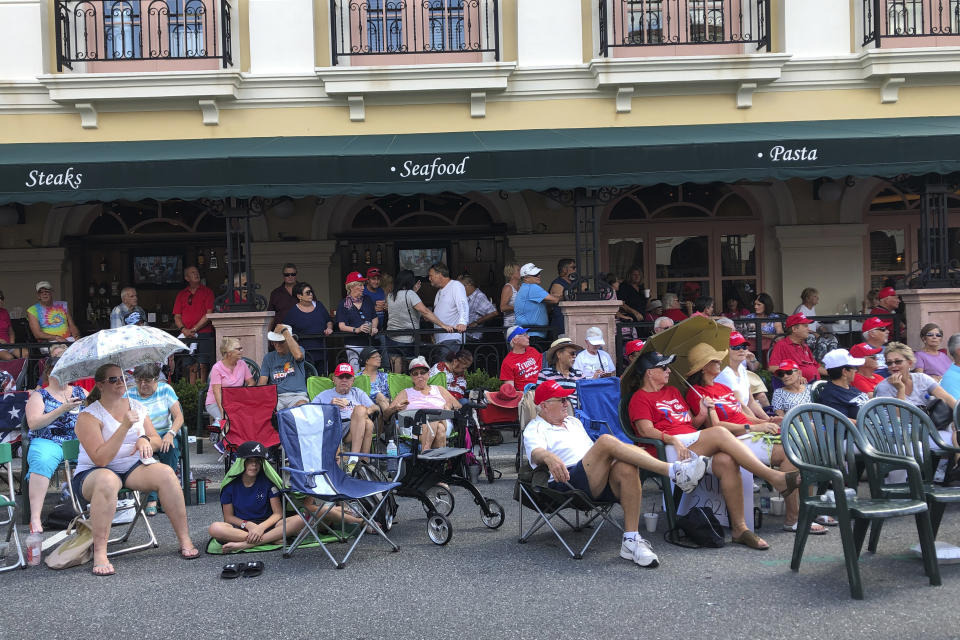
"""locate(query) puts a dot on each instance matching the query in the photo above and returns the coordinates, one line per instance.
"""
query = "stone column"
(313, 260)
(941, 306)
(829, 257)
(250, 327)
(578, 316)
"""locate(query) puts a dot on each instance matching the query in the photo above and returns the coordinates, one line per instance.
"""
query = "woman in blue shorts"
(51, 416)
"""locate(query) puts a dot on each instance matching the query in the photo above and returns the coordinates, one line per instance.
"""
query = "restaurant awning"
(476, 161)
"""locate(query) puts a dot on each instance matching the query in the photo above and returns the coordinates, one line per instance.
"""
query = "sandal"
(186, 555)
(252, 569)
(232, 570)
(150, 510)
(750, 539)
(816, 529)
(829, 521)
(793, 483)
(111, 572)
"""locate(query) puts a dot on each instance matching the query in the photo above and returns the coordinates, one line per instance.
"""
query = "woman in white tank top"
(509, 293)
(117, 441)
(427, 396)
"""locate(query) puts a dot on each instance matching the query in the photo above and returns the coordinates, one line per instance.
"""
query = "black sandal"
(252, 569)
(232, 570)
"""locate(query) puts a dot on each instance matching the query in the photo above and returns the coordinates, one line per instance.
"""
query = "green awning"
(476, 161)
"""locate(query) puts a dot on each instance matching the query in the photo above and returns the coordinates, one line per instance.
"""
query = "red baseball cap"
(550, 389)
(343, 369)
(736, 339)
(875, 323)
(863, 350)
(787, 365)
(632, 347)
(355, 276)
(886, 292)
(372, 272)
(797, 318)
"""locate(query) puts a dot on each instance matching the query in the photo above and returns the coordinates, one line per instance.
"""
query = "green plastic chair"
(8, 501)
(900, 428)
(825, 446)
(254, 369)
(316, 384)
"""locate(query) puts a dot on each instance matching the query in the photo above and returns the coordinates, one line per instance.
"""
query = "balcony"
(142, 35)
(410, 32)
(642, 28)
(911, 23)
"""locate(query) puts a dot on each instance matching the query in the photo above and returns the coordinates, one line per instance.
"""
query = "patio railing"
(884, 19)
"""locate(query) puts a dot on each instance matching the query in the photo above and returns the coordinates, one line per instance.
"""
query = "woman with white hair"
(671, 307)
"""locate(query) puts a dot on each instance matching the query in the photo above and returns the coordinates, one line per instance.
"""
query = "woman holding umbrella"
(705, 364)
(117, 441)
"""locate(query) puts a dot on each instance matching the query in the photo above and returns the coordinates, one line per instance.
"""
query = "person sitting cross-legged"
(355, 406)
(606, 469)
(658, 411)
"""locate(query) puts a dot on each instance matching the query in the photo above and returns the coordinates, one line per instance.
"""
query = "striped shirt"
(158, 405)
(567, 382)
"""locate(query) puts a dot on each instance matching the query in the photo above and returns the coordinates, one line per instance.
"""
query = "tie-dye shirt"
(52, 319)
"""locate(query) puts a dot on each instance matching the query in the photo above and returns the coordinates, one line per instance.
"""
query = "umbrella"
(677, 340)
(126, 347)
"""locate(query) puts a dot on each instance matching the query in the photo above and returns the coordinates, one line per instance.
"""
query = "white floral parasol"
(126, 347)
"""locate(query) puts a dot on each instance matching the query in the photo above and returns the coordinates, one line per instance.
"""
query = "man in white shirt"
(594, 362)
(606, 469)
(481, 307)
(450, 305)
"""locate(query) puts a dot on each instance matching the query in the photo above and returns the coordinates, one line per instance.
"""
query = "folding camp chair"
(311, 436)
(532, 491)
(8, 501)
(71, 451)
(248, 415)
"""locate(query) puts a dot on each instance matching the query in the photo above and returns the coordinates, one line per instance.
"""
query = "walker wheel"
(495, 519)
(439, 529)
(441, 498)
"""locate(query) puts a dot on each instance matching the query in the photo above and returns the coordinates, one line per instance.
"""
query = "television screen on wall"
(158, 270)
(419, 260)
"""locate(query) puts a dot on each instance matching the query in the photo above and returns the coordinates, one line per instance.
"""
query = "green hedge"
(189, 395)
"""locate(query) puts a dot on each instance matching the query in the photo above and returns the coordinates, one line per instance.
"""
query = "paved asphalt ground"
(485, 585)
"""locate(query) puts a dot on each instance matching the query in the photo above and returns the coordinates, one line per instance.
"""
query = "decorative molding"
(890, 90)
(211, 114)
(88, 87)
(357, 111)
(88, 115)
(745, 95)
(624, 99)
(474, 76)
(478, 104)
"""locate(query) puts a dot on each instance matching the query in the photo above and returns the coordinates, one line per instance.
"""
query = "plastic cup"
(650, 521)
(777, 506)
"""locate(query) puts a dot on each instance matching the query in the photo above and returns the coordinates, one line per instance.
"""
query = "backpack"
(701, 526)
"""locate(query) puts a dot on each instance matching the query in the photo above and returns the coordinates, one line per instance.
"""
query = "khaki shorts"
(288, 400)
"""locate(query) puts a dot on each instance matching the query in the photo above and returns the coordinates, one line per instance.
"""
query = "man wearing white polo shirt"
(450, 305)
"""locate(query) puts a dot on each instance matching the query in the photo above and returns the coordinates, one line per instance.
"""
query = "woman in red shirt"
(867, 377)
(659, 412)
(706, 363)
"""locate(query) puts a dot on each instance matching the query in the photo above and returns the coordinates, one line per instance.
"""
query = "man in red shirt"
(671, 307)
(887, 304)
(867, 377)
(190, 311)
(522, 365)
(794, 347)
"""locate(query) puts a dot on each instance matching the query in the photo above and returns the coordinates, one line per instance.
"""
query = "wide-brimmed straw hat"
(506, 396)
(702, 355)
(556, 345)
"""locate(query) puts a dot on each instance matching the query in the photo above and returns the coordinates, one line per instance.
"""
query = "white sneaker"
(686, 474)
(640, 551)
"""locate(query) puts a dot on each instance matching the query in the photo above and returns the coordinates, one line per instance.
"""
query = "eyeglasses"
(926, 335)
(237, 349)
(307, 292)
(139, 380)
(884, 329)
(896, 362)
(114, 379)
(784, 374)
(560, 400)
(740, 347)
(290, 275)
(418, 372)
(45, 290)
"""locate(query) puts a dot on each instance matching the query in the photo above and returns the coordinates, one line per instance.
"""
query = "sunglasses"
(884, 329)
(896, 362)
(784, 374)
(419, 372)
(290, 275)
(147, 379)
(307, 293)
(114, 379)
(926, 335)
(740, 347)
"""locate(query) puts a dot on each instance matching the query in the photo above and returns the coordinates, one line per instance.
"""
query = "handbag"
(701, 527)
(76, 550)
(940, 414)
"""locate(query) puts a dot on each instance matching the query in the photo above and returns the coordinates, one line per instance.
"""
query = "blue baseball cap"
(513, 333)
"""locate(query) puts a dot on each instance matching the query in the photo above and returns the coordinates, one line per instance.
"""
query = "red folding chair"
(248, 415)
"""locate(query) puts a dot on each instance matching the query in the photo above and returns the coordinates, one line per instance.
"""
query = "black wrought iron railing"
(909, 19)
(134, 30)
(394, 27)
(650, 23)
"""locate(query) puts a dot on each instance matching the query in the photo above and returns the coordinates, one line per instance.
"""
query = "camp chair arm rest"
(888, 461)
(302, 472)
(604, 423)
(376, 455)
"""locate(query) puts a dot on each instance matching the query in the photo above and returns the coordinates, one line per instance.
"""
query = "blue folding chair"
(310, 435)
(599, 409)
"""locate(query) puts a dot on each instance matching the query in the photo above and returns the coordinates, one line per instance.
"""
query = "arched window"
(690, 239)
(435, 211)
(153, 217)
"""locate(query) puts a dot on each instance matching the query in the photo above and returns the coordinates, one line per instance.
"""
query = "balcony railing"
(403, 27)
(909, 19)
(141, 30)
(659, 23)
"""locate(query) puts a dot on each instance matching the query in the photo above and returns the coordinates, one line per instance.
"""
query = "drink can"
(201, 491)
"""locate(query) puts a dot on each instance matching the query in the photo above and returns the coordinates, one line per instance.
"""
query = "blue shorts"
(78, 478)
(43, 457)
(580, 482)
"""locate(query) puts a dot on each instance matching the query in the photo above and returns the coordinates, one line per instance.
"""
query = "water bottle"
(764, 498)
(34, 549)
(392, 463)
(64, 491)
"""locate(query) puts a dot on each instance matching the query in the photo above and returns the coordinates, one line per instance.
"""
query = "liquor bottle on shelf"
(213, 260)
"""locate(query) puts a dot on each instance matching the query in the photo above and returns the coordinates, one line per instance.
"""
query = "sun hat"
(632, 347)
(652, 360)
(273, 336)
(529, 269)
(343, 369)
(701, 355)
(514, 332)
(654, 304)
(252, 449)
(557, 345)
(366, 355)
(840, 358)
(595, 337)
(797, 318)
(506, 396)
(862, 350)
(418, 363)
(44, 284)
(550, 389)
(355, 276)
(875, 323)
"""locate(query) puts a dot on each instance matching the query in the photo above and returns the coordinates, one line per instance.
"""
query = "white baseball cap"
(529, 269)
(595, 336)
(841, 358)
